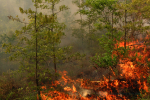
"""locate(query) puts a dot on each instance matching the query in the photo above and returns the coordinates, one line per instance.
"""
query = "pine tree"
(129, 18)
(87, 31)
(79, 32)
(108, 20)
(135, 14)
(37, 42)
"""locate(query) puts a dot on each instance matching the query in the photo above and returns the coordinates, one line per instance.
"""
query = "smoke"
(11, 8)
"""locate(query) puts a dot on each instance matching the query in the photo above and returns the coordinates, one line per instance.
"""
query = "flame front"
(134, 70)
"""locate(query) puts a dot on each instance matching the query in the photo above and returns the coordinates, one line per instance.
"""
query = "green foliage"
(10, 83)
(5, 63)
(100, 4)
(48, 32)
(97, 17)
(107, 11)
(107, 45)
(86, 32)
(14, 85)
(105, 61)
(136, 15)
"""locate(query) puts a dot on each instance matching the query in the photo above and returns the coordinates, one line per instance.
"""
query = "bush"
(10, 84)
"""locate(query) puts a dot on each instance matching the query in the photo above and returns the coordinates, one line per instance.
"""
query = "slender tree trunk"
(36, 69)
(54, 51)
(81, 24)
(125, 36)
(90, 44)
(112, 24)
(54, 57)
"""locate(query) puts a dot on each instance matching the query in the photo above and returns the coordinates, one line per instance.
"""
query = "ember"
(130, 83)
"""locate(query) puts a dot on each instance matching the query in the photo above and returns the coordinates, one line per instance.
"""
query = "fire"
(134, 71)
(74, 89)
(145, 86)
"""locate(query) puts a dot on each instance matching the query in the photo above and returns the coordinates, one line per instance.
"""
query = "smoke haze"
(7, 26)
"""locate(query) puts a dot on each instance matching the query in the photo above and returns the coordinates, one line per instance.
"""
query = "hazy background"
(7, 26)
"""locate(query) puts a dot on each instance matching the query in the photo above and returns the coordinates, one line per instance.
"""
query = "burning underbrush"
(129, 84)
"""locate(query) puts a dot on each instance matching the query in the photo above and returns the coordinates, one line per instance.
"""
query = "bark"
(125, 28)
(54, 51)
(36, 69)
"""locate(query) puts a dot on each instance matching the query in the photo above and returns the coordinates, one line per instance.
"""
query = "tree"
(129, 13)
(108, 19)
(38, 41)
(88, 18)
(55, 28)
(79, 32)
(136, 16)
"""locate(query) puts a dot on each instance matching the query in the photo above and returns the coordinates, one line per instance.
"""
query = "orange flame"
(134, 66)
(74, 89)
